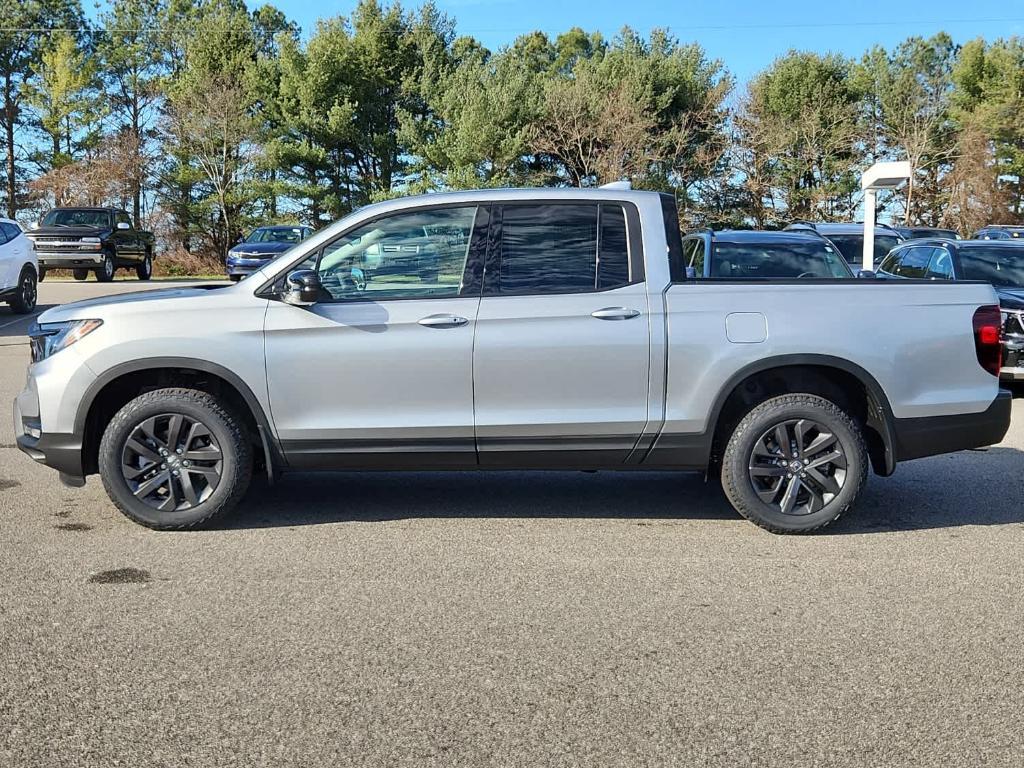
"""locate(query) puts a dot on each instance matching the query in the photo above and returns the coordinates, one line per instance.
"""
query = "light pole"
(878, 176)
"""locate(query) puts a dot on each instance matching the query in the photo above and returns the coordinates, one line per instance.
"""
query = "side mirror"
(123, 225)
(302, 288)
(867, 274)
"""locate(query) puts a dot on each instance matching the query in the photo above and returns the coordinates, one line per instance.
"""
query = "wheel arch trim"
(263, 423)
(702, 443)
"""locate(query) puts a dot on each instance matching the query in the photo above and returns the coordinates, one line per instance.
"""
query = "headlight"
(46, 339)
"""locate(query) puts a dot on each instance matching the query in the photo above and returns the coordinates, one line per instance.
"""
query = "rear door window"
(941, 265)
(613, 248)
(9, 231)
(548, 249)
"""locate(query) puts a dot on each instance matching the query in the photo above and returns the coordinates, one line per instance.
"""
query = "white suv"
(18, 269)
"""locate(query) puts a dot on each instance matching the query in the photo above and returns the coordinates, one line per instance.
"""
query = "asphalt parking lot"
(511, 619)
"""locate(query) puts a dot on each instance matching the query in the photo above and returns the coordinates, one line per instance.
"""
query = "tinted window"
(5, 234)
(777, 260)
(674, 238)
(75, 217)
(891, 263)
(941, 265)
(1000, 265)
(275, 235)
(411, 255)
(613, 248)
(548, 249)
(852, 246)
(914, 263)
(12, 230)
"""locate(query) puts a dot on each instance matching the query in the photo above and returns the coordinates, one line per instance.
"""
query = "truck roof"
(515, 193)
(760, 236)
(104, 208)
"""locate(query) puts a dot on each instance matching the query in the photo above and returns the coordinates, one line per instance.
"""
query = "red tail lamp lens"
(988, 331)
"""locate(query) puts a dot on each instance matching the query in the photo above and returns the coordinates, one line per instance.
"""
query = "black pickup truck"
(99, 240)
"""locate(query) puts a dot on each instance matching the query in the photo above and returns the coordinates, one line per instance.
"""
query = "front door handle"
(615, 313)
(443, 321)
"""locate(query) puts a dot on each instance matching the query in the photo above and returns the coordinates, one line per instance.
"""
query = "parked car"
(571, 338)
(849, 239)
(755, 254)
(917, 233)
(999, 263)
(98, 240)
(260, 246)
(999, 232)
(18, 269)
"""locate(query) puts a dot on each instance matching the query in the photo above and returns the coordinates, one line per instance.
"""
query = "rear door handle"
(615, 313)
(443, 321)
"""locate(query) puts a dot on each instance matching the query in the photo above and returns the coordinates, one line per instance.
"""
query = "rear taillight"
(988, 326)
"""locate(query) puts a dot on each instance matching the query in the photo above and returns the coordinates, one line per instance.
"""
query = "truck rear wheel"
(175, 458)
(144, 270)
(24, 300)
(80, 274)
(795, 463)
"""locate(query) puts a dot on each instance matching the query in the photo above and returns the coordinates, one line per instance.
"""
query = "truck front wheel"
(106, 269)
(795, 463)
(175, 458)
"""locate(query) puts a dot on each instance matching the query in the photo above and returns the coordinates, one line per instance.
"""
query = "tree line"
(202, 118)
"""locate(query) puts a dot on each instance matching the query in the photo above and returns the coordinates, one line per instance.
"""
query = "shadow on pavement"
(14, 327)
(979, 488)
(312, 498)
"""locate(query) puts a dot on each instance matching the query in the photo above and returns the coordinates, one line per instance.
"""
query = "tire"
(42, 275)
(757, 474)
(24, 301)
(144, 271)
(105, 272)
(80, 274)
(235, 278)
(144, 488)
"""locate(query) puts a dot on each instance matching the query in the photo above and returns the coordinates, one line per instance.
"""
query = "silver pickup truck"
(528, 329)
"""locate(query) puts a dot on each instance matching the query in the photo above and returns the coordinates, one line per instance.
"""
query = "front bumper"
(69, 260)
(244, 267)
(933, 435)
(1013, 359)
(62, 452)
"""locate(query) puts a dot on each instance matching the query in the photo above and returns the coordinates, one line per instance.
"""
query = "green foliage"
(209, 117)
(801, 125)
(989, 80)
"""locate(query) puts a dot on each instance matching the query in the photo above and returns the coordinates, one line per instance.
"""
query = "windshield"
(275, 235)
(73, 217)
(1000, 265)
(852, 246)
(779, 260)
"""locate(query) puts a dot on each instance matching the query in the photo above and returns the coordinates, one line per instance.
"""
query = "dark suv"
(998, 263)
(849, 238)
(917, 233)
(999, 232)
(753, 254)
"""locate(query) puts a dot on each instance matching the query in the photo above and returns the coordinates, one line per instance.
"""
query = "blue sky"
(746, 35)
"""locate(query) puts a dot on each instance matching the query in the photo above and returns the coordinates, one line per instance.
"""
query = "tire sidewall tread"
(227, 428)
(736, 481)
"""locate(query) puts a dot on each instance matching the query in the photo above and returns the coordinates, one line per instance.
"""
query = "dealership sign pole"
(878, 176)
